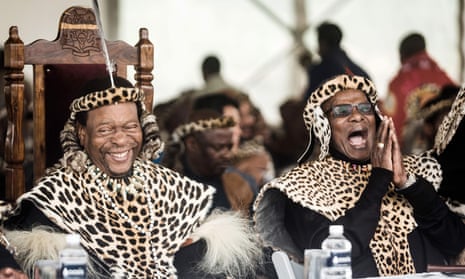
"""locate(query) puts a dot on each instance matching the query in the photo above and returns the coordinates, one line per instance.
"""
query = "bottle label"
(76, 271)
(339, 259)
(337, 272)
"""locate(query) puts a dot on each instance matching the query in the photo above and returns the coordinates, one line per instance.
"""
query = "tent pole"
(461, 17)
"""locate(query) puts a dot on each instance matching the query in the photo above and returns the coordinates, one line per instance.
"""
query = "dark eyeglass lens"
(365, 108)
(346, 109)
(342, 110)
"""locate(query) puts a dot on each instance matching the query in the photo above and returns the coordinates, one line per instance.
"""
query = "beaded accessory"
(129, 185)
(355, 168)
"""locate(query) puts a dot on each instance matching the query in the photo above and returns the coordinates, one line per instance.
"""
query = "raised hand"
(387, 154)
(400, 175)
(381, 154)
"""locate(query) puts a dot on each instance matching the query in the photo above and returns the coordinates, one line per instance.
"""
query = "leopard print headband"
(317, 123)
(201, 125)
(74, 155)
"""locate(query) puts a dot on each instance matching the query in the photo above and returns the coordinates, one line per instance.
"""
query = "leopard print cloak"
(133, 224)
(330, 187)
(110, 222)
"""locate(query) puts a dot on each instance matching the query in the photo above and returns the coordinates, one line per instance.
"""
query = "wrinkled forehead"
(215, 134)
(214, 137)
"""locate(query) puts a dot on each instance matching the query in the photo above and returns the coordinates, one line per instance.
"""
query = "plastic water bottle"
(338, 264)
(73, 259)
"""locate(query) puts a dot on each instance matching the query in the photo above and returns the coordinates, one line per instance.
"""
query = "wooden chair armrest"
(446, 268)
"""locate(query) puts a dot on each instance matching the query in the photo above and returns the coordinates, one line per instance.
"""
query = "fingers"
(400, 176)
(393, 136)
(382, 135)
(381, 152)
(387, 151)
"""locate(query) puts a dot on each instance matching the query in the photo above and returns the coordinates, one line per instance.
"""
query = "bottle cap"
(73, 239)
(336, 229)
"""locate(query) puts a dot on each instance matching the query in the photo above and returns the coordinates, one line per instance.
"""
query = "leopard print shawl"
(330, 187)
(137, 227)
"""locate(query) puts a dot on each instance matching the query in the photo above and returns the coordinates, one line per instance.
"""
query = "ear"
(82, 134)
(190, 143)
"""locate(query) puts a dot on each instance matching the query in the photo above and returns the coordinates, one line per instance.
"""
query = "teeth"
(120, 155)
(356, 140)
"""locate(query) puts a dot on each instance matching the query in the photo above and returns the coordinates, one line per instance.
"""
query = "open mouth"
(120, 156)
(358, 138)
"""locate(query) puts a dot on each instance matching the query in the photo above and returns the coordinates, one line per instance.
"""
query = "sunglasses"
(344, 110)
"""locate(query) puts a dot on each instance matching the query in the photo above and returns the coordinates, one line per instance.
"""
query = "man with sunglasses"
(357, 177)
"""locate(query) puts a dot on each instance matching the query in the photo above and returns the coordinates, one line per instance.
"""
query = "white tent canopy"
(255, 44)
(253, 38)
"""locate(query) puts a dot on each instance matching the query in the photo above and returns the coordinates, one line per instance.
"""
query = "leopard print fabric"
(316, 185)
(137, 231)
(444, 135)
(450, 123)
(201, 125)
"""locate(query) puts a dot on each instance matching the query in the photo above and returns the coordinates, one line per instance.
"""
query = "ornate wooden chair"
(60, 68)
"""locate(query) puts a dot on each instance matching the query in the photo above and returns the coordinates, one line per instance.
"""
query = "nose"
(356, 114)
(226, 153)
(119, 137)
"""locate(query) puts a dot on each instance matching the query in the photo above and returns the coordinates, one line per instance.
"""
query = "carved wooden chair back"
(60, 68)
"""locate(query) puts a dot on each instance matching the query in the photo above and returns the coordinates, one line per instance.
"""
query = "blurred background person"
(424, 119)
(333, 59)
(418, 73)
(250, 163)
(212, 76)
(201, 149)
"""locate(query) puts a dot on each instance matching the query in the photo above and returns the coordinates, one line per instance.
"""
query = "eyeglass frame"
(352, 106)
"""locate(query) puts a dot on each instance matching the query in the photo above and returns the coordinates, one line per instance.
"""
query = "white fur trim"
(233, 247)
(322, 131)
(38, 244)
(5, 208)
(456, 207)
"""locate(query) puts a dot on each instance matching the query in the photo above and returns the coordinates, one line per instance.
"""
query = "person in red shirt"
(418, 71)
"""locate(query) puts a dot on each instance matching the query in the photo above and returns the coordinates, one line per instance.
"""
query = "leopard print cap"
(152, 146)
(317, 123)
(200, 125)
